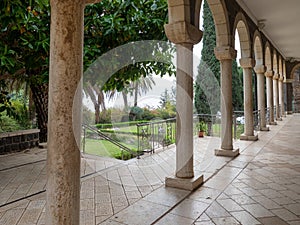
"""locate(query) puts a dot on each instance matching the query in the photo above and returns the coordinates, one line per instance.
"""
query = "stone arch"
(268, 58)
(241, 26)
(284, 70)
(295, 68)
(221, 21)
(275, 62)
(258, 48)
(280, 66)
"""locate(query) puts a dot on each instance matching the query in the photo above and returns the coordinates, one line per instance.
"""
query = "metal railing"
(156, 134)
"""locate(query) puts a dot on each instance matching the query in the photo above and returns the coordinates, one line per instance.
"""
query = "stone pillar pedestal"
(247, 65)
(270, 103)
(225, 55)
(261, 101)
(63, 156)
(184, 36)
(276, 96)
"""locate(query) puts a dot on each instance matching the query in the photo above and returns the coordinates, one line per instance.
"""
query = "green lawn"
(105, 148)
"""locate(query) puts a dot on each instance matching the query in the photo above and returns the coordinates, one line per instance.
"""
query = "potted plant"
(202, 128)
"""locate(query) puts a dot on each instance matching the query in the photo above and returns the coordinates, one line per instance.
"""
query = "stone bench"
(18, 140)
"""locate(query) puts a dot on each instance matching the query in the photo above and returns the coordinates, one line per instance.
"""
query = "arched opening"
(258, 49)
(247, 63)
(295, 75)
(268, 60)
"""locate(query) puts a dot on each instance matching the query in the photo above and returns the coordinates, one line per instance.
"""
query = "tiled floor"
(260, 186)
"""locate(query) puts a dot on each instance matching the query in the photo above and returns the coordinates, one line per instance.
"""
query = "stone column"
(276, 96)
(63, 156)
(247, 64)
(184, 35)
(281, 100)
(261, 100)
(270, 105)
(225, 56)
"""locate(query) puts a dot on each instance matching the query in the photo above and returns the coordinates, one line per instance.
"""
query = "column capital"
(247, 62)
(260, 69)
(183, 32)
(225, 52)
(269, 73)
(276, 76)
(281, 79)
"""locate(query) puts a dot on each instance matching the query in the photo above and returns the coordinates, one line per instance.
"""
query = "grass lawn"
(104, 148)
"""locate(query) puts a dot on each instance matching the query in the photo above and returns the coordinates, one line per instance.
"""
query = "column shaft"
(247, 65)
(248, 102)
(63, 159)
(184, 106)
(261, 101)
(270, 105)
(281, 101)
(275, 96)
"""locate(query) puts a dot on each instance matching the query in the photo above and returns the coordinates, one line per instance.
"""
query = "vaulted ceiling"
(279, 21)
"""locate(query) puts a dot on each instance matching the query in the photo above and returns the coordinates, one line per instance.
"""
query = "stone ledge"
(244, 137)
(227, 153)
(184, 183)
(264, 129)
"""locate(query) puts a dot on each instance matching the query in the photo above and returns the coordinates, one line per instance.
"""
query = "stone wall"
(18, 140)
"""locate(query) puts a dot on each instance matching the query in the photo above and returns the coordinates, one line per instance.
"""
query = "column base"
(289, 112)
(264, 129)
(279, 119)
(227, 153)
(272, 123)
(244, 137)
(189, 184)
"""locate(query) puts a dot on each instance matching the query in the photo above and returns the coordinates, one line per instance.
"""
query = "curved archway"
(275, 62)
(280, 66)
(295, 68)
(268, 59)
(242, 28)
(221, 21)
(258, 48)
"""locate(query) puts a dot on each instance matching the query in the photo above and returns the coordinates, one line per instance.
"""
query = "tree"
(24, 50)
(208, 69)
(207, 86)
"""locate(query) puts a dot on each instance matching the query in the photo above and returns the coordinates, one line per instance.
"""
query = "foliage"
(209, 68)
(112, 23)
(237, 87)
(201, 126)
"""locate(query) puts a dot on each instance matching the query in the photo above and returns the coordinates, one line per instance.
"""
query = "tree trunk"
(136, 93)
(124, 94)
(40, 98)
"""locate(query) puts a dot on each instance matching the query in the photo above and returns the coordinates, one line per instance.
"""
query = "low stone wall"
(18, 140)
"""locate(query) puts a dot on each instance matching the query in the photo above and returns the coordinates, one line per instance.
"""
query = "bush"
(8, 124)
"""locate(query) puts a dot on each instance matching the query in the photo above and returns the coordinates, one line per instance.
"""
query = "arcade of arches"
(257, 53)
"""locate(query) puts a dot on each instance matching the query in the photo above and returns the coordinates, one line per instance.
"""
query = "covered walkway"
(260, 186)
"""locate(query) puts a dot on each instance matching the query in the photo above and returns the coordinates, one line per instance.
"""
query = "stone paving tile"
(171, 219)
(225, 220)
(166, 196)
(266, 202)
(245, 218)
(284, 214)
(257, 210)
(141, 212)
(216, 210)
(190, 208)
(294, 208)
(229, 205)
(272, 221)
(204, 223)
(242, 199)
